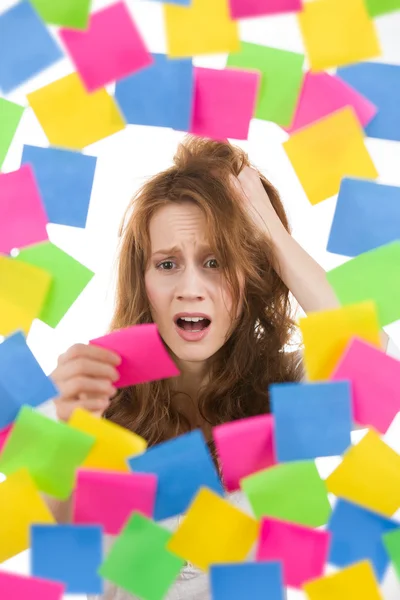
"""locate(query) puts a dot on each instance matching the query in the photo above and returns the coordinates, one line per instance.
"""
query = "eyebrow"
(176, 250)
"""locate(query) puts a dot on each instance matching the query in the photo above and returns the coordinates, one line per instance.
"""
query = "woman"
(207, 255)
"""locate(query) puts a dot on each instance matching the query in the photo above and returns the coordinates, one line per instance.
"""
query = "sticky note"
(10, 116)
(214, 113)
(133, 556)
(323, 94)
(182, 466)
(244, 447)
(369, 475)
(71, 554)
(177, 2)
(356, 581)
(23, 218)
(374, 275)
(242, 9)
(65, 181)
(377, 8)
(391, 541)
(23, 291)
(73, 118)
(143, 355)
(303, 551)
(23, 505)
(247, 580)
(204, 27)
(69, 278)
(291, 491)
(20, 586)
(4, 433)
(114, 444)
(380, 83)
(328, 150)
(356, 534)
(337, 33)
(160, 95)
(22, 378)
(35, 436)
(326, 334)
(278, 95)
(65, 13)
(213, 531)
(26, 46)
(109, 49)
(311, 419)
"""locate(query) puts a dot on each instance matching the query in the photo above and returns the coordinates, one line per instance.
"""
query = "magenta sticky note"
(322, 94)
(4, 433)
(303, 551)
(144, 356)
(242, 9)
(23, 217)
(244, 447)
(20, 587)
(110, 49)
(224, 102)
(108, 498)
(375, 379)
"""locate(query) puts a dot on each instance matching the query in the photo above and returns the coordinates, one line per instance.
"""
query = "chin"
(192, 352)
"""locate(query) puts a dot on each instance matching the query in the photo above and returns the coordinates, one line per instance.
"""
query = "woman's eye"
(213, 263)
(166, 265)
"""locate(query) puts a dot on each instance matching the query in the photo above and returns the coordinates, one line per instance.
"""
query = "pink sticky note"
(244, 447)
(224, 102)
(241, 9)
(303, 551)
(111, 48)
(23, 217)
(323, 94)
(20, 587)
(109, 498)
(143, 354)
(4, 433)
(375, 381)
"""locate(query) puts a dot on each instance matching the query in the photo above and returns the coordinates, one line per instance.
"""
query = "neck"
(192, 377)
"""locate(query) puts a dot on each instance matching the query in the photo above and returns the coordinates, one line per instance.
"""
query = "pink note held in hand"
(20, 587)
(143, 355)
(242, 9)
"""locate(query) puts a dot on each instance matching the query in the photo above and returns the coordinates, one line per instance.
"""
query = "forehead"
(177, 224)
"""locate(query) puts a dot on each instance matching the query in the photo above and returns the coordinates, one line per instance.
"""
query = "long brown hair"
(253, 357)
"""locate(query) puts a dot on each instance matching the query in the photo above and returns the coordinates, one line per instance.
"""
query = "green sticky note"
(376, 8)
(139, 561)
(10, 116)
(281, 79)
(70, 277)
(374, 275)
(391, 541)
(290, 491)
(65, 13)
(51, 451)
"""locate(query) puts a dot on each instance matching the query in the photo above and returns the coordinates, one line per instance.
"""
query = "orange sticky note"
(369, 475)
(328, 150)
(73, 118)
(213, 531)
(337, 33)
(205, 27)
(356, 581)
(326, 334)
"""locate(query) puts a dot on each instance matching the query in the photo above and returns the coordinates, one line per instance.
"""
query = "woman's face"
(189, 297)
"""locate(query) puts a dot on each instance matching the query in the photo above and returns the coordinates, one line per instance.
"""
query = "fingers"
(96, 406)
(80, 351)
(89, 368)
(72, 388)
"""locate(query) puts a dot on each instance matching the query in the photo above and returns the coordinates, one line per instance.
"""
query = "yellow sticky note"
(205, 27)
(23, 291)
(356, 581)
(213, 531)
(20, 506)
(73, 118)
(113, 446)
(328, 150)
(337, 33)
(327, 333)
(369, 474)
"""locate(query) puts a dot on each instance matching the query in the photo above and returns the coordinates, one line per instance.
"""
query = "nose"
(190, 285)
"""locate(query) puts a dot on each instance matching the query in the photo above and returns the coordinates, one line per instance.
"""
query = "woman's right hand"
(84, 376)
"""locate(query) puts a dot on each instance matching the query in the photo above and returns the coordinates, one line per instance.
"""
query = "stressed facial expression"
(189, 298)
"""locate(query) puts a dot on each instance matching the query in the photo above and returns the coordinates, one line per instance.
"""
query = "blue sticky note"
(380, 83)
(65, 180)
(71, 554)
(357, 535)
(26, 46)
(178, 2)
(311, 419)
(183, 465)
(258, 581)
(160, 95)
(367, 215)
(22, 380)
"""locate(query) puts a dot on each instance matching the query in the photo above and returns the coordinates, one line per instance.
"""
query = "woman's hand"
(84, 376)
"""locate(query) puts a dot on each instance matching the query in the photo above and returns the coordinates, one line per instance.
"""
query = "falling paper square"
(4, 433)
(391, 541)
(247, 580)
(328, 150)
(64, 13)
(177, 2)
(376, 8)
(19, 587)
(10, 116)
(242, 9)
(357, 581)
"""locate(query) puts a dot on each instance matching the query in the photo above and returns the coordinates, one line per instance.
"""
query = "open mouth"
(193, 323)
